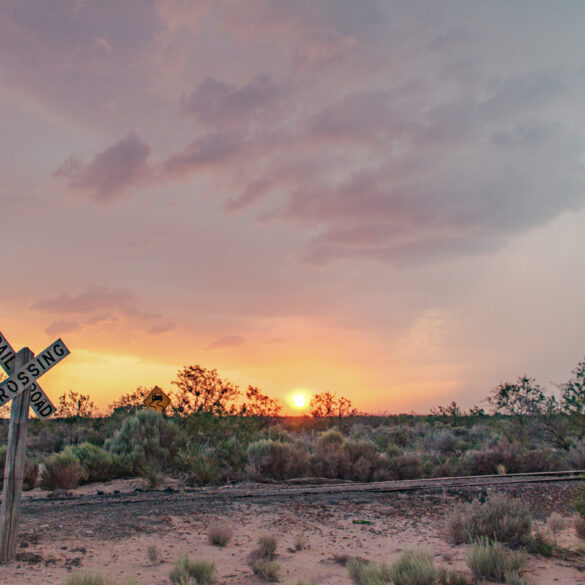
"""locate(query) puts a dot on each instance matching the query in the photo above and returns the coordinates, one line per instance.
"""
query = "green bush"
(188, 572)
(492, 560)
(501, 519)
(145, 440)
(413, 568)
(97, 464)
(60, 470)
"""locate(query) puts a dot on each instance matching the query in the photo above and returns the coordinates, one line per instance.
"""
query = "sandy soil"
(61, 536)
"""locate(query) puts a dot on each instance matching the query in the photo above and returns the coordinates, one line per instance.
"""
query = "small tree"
(572, 400)
(203, 391)
(73, 404)
(326, 404)
(259, 404)
(133, 400)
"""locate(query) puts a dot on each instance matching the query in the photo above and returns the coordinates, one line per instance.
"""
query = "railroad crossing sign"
(34, 368)
(20, 387)
(157, 400)
(39, 401)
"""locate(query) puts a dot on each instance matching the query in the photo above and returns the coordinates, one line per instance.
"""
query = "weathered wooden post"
(14, 467)
(23, 370)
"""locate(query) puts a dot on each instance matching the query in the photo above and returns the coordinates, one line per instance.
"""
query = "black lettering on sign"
(3, 349)
(22, 377)
(3, 396)
(9, 359)
(59, 348)
(35, 395)
(48, 358)
(46, 410)
(32, 369)
(40, 363)
(12, 386)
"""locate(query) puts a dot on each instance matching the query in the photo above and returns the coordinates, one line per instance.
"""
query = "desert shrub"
(579, 500)
(405, 466)
(540, 544)
(97, 579)
(261, 559)
(443, 441)
(363, 572)
(556, 523)
(200, 464)
(413, 567)
(486, 462)
(361, 459)
(152, 553)
(31, 474)
(188, 572)
(300, 542)
(146, 438)
(97, 464)
(268, 570)
(498, 519)
(267, 546)
(151, 475)
(31, 470)
(220, 533)
(60, 470)
(492, 560)
(451, 577)
(276, 460)
(579, 525)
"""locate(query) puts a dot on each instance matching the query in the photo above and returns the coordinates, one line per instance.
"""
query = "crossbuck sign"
(23, 369)
(39, 401)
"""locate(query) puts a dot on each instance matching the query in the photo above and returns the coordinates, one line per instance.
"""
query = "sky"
(381, 199)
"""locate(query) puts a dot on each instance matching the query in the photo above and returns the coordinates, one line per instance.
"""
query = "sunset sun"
(299, 401)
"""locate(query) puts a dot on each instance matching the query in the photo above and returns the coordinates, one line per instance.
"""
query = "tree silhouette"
(201, 390)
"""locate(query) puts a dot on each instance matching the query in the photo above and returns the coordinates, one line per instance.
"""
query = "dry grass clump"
(494, 561)
(300, 542)
(261, 559)
(363, 572)
(451, 577)
(61, 470)
(556, 523)
(413, 567)
(579, 525)
(152, 553)
(498, 519)
(89, 579)
(188, 572)
(220, 533)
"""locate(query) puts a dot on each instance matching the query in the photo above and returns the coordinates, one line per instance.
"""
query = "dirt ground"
(98, 531)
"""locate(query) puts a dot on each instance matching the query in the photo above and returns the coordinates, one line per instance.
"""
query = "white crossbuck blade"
(27, 374)
(40, 402)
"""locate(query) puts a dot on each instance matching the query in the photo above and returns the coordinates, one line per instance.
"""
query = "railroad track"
(301, 487)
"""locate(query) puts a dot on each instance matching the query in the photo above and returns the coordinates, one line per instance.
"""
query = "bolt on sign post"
(23, 368)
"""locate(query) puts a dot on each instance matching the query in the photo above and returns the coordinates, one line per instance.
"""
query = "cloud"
(111, 172)
(227, 341)
(211, 149)
(93, 299)
(58, 328)
(365, 115)
(217, 103)
(160, 329)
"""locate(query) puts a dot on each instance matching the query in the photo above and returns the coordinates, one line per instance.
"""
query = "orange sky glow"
(383, 200)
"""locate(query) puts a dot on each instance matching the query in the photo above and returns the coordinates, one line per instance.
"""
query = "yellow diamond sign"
(157, 400)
